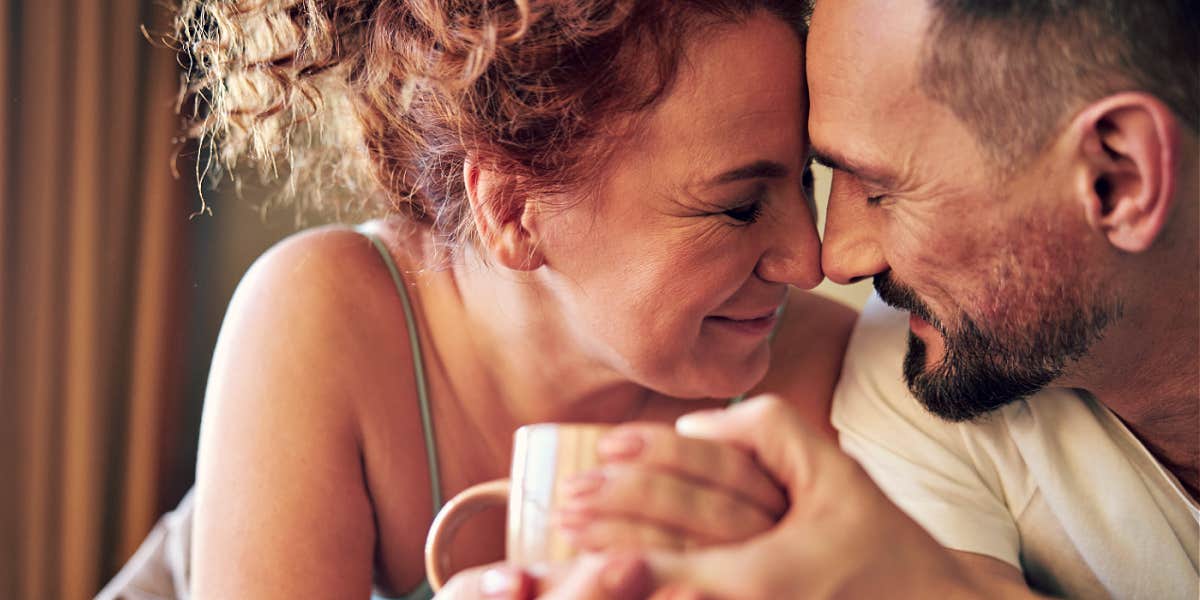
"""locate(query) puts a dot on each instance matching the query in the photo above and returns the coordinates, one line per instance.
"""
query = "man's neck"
(1147, 371)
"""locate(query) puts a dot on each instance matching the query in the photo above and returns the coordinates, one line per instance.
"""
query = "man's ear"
(1126, 177)
(502, 219)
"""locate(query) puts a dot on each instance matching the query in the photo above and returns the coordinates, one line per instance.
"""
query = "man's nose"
(793, 253)
(851, 249)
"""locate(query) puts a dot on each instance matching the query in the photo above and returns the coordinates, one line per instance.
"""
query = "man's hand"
(841, 537)
(660, 490)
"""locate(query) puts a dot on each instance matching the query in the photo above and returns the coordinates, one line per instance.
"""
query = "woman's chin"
(723, 376)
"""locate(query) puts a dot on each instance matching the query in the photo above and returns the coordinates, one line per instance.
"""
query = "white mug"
(543, 456)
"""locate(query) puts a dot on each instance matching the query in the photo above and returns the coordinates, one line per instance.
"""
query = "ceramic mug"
(544, 455)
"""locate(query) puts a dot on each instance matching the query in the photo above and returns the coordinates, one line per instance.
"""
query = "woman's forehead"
(739, 95)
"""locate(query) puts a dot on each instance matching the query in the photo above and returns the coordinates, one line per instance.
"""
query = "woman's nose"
(793, 252)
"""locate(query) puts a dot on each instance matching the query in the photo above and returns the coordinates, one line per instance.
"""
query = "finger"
(493, 582)
(678, 592)
(636, 492)
(719, 465)
(603, 534)
(594, 577)
(760, 570)
(781, 441)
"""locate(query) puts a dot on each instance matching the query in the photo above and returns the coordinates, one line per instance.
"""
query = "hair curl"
(383, 101)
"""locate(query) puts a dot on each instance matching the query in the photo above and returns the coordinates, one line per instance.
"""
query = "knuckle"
(667, 499)
(736, 466)
(732, 519)
(657, 539)
(773, 406)
(623, 484)
(596, 536)
(667, 447)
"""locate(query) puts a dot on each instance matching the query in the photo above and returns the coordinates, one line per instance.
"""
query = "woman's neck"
(508, 354)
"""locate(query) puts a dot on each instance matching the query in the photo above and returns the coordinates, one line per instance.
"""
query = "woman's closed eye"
(746, 214)
(751, 207)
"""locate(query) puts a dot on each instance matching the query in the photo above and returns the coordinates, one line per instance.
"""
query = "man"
(1021, 178)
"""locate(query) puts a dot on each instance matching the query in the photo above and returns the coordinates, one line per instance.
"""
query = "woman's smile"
(753, 324)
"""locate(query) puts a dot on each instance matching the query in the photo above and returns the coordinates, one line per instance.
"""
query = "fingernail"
(500, 581)
(625, 577)
(620, 444)
(583, 484)
(695, 424)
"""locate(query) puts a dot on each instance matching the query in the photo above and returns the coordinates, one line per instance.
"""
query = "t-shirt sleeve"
(927, 466)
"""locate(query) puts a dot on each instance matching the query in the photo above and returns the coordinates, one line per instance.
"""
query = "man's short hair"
(1016, 70)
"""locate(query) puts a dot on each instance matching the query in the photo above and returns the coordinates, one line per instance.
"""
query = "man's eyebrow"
(840, 163)
(759, 169)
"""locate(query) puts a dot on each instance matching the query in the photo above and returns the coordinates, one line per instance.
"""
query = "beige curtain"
(92, 237)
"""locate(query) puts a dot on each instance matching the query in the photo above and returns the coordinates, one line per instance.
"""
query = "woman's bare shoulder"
(303, 353)
(806, 354)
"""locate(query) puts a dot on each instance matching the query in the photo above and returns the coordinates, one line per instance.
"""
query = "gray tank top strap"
(414, 341)
(423, 590)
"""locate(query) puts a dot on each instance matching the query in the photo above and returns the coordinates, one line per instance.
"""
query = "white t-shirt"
(1055, 486)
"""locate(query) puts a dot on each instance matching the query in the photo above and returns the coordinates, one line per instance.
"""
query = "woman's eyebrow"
(760, 169)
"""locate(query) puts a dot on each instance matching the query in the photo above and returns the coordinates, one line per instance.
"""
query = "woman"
(594, 211)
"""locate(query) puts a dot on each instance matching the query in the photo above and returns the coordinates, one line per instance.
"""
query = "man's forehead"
(863, 66)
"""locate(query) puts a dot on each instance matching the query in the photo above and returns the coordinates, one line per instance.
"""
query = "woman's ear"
(502, 218)
(1126, 178)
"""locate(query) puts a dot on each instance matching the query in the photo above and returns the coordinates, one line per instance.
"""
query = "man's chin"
(971, 371)
(955, 392)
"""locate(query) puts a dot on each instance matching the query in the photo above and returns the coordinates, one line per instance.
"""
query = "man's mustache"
(897, 295)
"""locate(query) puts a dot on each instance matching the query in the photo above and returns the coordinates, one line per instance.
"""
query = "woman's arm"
(282, 507)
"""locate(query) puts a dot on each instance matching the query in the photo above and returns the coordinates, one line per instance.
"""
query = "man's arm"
(998, 578)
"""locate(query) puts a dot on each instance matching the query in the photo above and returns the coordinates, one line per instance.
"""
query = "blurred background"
(112, 289)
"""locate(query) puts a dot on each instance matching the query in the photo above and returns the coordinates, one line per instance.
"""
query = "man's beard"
(982, 370)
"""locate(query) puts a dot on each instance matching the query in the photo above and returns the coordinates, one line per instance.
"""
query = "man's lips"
(918, 325)
(931, 336)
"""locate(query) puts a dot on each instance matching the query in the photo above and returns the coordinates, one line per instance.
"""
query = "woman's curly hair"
(379, 103)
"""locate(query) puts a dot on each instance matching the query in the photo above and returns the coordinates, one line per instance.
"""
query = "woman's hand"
(587, 578)
(659, 489)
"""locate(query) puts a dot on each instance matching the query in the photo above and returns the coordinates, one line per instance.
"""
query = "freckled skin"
(680, 263)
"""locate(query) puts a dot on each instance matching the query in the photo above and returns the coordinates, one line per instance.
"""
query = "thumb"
(787, 447)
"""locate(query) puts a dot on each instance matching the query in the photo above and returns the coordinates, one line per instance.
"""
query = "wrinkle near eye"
(692, 205)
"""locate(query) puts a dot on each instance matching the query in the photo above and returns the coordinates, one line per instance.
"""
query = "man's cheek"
(929, 268)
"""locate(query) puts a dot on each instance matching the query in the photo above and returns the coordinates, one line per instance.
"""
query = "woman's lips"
(754, 327)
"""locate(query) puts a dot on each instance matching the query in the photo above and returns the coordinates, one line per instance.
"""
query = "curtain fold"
(9, 427)
(93, 238)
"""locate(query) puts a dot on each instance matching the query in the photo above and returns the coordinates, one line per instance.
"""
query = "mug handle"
(448, 520)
